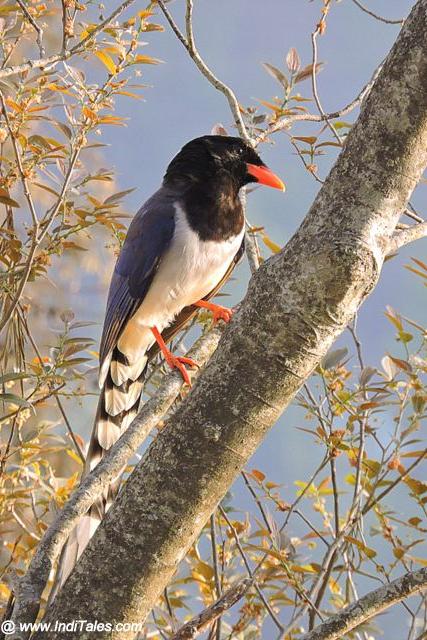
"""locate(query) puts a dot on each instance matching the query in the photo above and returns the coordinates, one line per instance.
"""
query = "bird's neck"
(214, 209)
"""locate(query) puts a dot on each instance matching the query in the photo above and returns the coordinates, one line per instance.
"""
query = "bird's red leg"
(175, 362)
(219, 312)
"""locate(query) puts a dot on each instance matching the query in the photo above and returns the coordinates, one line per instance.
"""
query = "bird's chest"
(190, 269)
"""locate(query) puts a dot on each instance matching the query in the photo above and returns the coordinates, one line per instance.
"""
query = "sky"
(235, 37)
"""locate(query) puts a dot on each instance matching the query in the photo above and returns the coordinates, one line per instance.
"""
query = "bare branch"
(404, 237)
(250, 572)
(201, 622)
(409, 211)
(189, 44)
(369, 606)
(285, 123)
(376, 16)
(70, 430)
(37, 239)
(314, 85)
(36, 27)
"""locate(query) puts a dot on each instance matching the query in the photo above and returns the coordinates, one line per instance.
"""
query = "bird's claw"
(179, 362)
(221, 313)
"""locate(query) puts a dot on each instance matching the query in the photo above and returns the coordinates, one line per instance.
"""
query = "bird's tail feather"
(117, 407)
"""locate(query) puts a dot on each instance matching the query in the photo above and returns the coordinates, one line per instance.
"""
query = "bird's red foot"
(175, 362)
(219, 312)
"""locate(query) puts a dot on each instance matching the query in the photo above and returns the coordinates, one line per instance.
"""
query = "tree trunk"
(296, 306)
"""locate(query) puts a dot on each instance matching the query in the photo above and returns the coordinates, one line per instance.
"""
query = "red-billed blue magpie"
(180, 248)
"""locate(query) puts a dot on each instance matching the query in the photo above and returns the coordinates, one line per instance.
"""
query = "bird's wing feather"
(148, 238)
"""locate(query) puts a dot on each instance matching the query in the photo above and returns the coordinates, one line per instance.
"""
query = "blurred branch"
(22, 175)
(411, 213)
(36, 240)
(189, 44)
(218, 588)
(369, 606)
(51, 61)
(375, 15)
(70, 430)
(36, 27)
(201, 622)
(250, 572)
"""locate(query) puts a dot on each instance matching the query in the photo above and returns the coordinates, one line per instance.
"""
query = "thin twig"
(250, 572)
(51, 61)
(376, 500)
(216, 570)
(411, 213)
(285, 123)
(36, 241)
(70, 431)
(64, 26)
(189, 44)
(369, 606)
(314, 87)
(22, 175)
(37, 28)
(203, 620)
(375, 15)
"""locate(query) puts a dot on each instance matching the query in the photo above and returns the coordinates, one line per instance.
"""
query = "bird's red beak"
(264, 175)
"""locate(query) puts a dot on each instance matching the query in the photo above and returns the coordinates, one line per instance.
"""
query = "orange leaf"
(107, 60)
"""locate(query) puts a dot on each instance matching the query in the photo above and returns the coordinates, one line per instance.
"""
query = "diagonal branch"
(285, 123)
(297, 304)
(201, 622)
(375, 15)
(369, 606)
(37, 28)
(407, 236)
(33, 583)
(51, 61)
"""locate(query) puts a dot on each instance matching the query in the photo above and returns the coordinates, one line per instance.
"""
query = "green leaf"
(8, 377)
(12, 398)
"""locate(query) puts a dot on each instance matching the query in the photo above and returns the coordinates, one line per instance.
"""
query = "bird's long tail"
(121, 380)
(118, 405)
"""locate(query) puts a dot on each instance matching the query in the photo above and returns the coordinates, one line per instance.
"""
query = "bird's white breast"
(188, 271)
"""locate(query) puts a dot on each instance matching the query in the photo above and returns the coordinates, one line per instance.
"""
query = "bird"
(180, 248)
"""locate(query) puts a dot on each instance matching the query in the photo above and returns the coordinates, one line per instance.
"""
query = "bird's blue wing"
(148, 237)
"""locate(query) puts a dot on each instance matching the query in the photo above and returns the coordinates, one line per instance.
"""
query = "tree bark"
(369, 606)
(297, 304)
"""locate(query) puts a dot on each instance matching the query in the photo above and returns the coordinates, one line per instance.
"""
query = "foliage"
(339, 529)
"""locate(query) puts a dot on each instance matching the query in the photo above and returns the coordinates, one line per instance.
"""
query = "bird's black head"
(214, 160)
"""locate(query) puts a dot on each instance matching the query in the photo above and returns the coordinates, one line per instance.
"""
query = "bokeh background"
(235, 37)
